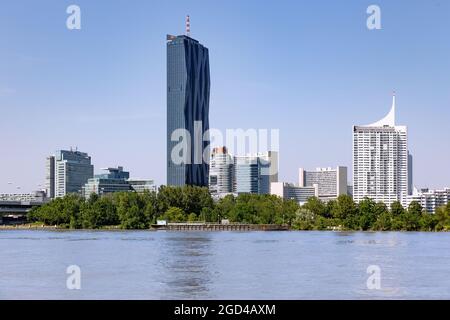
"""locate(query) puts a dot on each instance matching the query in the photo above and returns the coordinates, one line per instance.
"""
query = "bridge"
(13, 212)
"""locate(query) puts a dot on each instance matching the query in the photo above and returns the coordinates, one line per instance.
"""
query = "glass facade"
(188, 86)
(115, 180)
(72, 171)
(253, 174)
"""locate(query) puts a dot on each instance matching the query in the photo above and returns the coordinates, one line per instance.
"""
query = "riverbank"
(27, 227)
(169, 227)
(196, 227)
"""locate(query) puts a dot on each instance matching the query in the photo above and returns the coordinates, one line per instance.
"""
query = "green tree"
(428, 221)
(415, 208)
(206, 215)
(63, 211)
(192, 217)
(411, 218)
(150, 201)
(384, 221)
(443, 218)
(368, 213)
(174, 214)
(345, 211)
(304, 219)
(397, 209)
(131, 210)
(98, 212)
(317, 207)
(289, 210)
(222, 209)
(187, 198)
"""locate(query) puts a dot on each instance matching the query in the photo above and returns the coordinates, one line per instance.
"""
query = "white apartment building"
(380, 161)
(430, 200)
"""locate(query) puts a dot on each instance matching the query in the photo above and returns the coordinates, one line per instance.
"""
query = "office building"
(188, 86)
(116, 180)
(430, 200)
(113, 180)
(290, 191)
(67, 172)
(221, 168)
(254, 173)
(350, 191)
(50, 177)
(331, 182)
(380, 161)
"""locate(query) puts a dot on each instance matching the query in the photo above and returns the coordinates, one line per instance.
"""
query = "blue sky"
(311, 69)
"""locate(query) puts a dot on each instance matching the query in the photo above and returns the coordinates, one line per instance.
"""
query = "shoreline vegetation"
(189, 204)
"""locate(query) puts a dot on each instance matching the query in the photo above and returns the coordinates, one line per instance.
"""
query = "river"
(224, 265)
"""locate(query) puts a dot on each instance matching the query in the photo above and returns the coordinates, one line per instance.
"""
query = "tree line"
(131, 210)
(344, 213)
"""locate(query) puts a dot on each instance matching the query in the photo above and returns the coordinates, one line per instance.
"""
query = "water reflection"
(186, 262)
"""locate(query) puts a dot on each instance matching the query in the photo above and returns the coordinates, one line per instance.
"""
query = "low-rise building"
(114, 180)
(331, 182)
(37, 196)
(290, 191)
(142, 185)
(430, 200)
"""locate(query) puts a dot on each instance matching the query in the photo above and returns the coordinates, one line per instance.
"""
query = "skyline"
(93, 73)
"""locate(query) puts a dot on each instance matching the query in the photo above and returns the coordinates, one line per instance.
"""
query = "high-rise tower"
(380, 160)
(67, 172)
(188, 86)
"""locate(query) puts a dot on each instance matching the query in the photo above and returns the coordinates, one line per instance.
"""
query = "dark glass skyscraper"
(188, 86)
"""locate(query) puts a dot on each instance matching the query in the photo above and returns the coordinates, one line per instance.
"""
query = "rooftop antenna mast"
(188, 26)
(393, 97)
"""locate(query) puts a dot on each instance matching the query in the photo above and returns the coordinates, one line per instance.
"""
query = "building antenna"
(393, 99)
(188, 26)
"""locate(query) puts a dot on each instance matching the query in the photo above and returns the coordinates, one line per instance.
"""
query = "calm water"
(223, 265)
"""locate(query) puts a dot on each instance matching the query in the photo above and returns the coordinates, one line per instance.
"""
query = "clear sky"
(311, 69)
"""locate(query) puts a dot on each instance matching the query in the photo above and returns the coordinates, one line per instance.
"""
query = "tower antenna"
(188, 26)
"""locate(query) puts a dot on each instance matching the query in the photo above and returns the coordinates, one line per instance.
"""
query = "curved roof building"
(380, 160)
